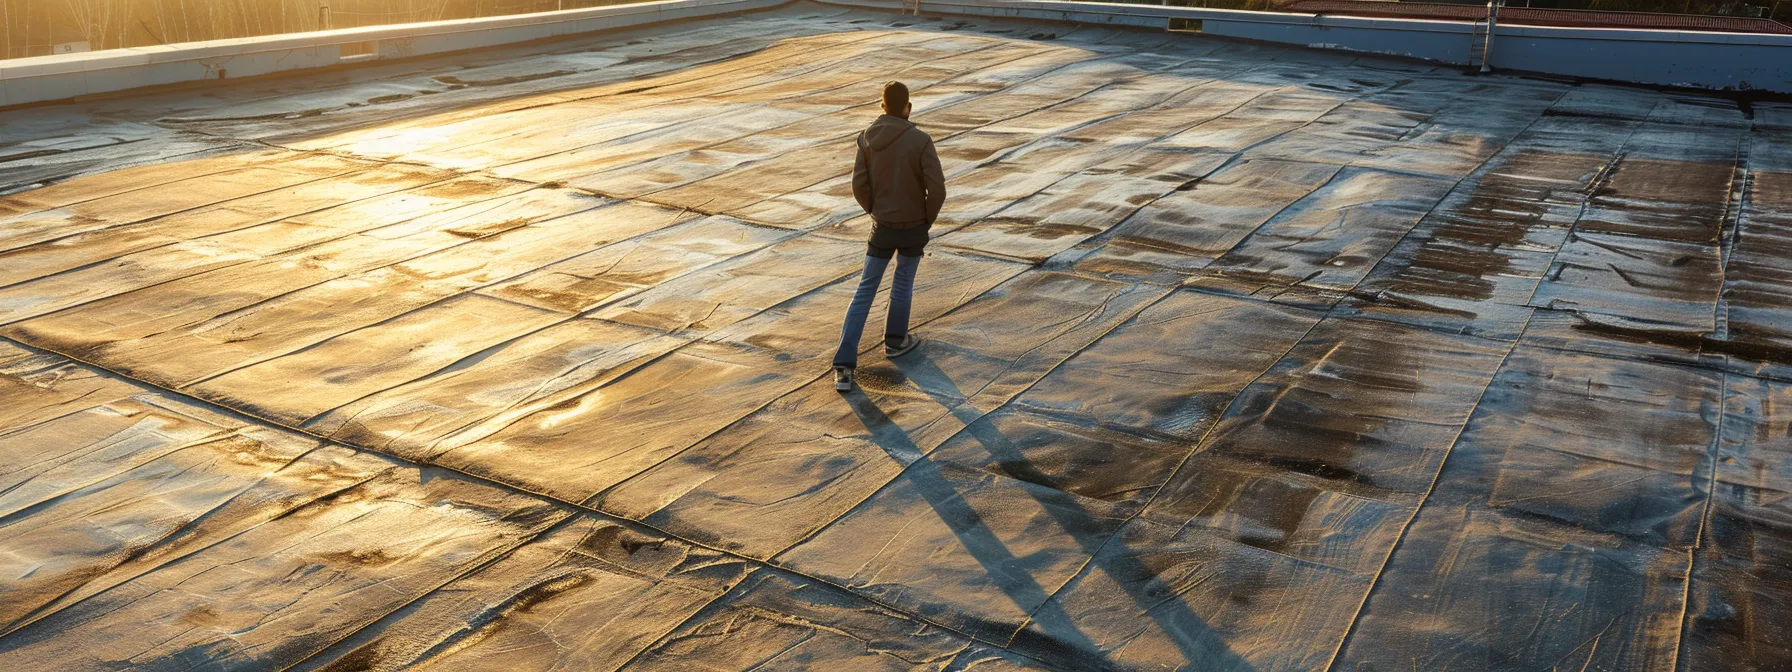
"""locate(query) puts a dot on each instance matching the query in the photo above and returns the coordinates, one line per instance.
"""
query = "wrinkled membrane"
(1238, 357)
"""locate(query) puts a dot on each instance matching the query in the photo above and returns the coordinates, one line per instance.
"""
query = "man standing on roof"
(898, 181)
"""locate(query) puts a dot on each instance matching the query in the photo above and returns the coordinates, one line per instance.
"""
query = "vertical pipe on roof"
(1493, 17)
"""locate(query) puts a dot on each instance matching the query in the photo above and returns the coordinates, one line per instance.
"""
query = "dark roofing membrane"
(1239, 357)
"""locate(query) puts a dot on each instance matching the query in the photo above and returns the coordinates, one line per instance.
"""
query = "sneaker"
(908, 343)
(842, 379)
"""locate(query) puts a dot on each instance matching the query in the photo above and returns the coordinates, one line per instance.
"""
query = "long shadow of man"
(1198, 644)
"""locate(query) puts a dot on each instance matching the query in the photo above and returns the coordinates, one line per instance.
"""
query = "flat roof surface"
(1238, 358)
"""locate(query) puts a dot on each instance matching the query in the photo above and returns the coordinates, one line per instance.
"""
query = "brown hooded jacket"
(897, 176)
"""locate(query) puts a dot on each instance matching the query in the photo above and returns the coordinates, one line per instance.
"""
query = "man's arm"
(861, 177)
(935, 180)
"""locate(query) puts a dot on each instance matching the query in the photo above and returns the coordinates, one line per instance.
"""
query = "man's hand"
(935, 180)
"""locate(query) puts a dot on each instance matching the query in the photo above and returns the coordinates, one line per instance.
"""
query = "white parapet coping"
(1693, 59)
(1709, 60)
(47, 78)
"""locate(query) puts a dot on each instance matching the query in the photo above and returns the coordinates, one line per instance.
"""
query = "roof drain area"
(356, 52)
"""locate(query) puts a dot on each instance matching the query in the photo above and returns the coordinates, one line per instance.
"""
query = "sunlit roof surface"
(1238, 357)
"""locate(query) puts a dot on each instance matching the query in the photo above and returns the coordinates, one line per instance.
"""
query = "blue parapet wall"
(1692, 59)
(1734, 61)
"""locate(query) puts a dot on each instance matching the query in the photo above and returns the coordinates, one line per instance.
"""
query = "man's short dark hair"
(895, 96)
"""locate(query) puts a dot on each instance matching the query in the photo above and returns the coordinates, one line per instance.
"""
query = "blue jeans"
(902, 291)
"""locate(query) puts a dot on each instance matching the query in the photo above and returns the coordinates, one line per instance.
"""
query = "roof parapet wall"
(50, 78)
(1539, 16)
(1690, 59)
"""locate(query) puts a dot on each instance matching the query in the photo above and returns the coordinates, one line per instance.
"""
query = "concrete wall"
(47, 78)
(1674, 58)
(1691, 59)
(1738, 61)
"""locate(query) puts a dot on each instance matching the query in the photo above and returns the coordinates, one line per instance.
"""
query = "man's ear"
(908, 109)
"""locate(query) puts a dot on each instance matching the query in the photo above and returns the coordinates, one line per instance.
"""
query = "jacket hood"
(885, 131)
